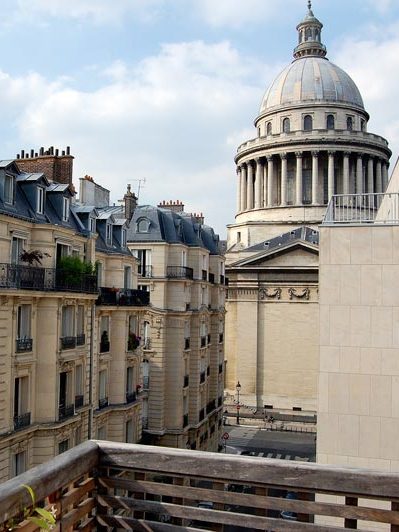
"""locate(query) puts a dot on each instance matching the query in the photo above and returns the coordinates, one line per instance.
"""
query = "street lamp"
(238, 388)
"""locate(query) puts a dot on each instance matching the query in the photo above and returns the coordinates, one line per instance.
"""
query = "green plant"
(33, 256)
(75, 265)
(42, 518)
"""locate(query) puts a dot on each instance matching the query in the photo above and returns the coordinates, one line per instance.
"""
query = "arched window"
(349, 123)
(330, 122)
(269, 128)
(143, 225)
(259, 132)
(363, 125)
(286, 125)
(308, 123)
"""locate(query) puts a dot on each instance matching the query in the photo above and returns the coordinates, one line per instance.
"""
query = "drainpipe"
(91, 371)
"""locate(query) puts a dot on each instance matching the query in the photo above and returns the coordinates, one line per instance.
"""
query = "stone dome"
(311, 79)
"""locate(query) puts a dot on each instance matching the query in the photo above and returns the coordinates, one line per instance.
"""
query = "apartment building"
(70, 319)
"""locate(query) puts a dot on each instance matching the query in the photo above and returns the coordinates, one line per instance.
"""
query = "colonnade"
(278, 180)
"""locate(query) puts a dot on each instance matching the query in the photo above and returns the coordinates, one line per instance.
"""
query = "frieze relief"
(264, 293)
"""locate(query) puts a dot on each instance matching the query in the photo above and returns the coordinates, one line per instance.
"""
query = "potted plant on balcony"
(133, 341)
(31, 276)
(71, 270)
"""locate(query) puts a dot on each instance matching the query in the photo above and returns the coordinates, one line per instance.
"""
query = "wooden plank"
(46, 478)
(214, 516)
(255, 501)
(88, 525)
(395, 508)
(76, 495)
(138, 524)
(351, 523)
(78, 513)
(253, 470)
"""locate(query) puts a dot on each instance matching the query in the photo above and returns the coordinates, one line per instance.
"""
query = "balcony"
(21, 421)
(23, 344)
(144, 421)
(179, 272)
(146, 382)
(131, 397)
(123, 297)
(185, 421)
(211, 278)
(145, 271)
(221, 338)
(80, 339)
(186, 343)
(65, 411)
(147, 343)
(102, 403)
(79, 399)
(221, 368)
(222, 279)
(67, 342)
(202, 414)
(211, 406)
(220, 400)
(105, 346)
(186, 381)
(202, 377)
(45, 279)
(94, 486)
(203, 341)
(204, 275)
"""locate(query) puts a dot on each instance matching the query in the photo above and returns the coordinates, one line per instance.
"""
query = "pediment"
(296, 253)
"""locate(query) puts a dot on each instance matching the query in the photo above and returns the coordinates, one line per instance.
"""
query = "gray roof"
(57, 187)
(31, 177)
(306, 234)
(312, 79)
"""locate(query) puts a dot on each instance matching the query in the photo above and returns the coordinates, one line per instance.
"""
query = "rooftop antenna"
(141, 184)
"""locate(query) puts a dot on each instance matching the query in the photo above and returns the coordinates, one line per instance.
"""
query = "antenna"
(141, 184)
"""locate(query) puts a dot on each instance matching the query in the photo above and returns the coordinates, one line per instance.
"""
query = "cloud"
(171, 119)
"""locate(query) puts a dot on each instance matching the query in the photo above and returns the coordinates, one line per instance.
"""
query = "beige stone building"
(312, 142)
(69, 366)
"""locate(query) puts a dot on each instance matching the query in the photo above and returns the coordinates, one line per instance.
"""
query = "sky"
(165, 90)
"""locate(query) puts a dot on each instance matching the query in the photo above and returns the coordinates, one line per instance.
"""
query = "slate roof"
(306, 234)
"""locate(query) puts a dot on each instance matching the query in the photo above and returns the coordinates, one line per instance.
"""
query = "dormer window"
(40, 200)
(92, 225)
(143, 226)
(109, 234)
(9, 185)
(123, 238)
(65, 209)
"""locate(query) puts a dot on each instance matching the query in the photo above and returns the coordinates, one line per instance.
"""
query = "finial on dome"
(309, 32)
(309, 5)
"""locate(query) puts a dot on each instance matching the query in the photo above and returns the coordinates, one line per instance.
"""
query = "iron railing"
(115, 486)
(145, 271)
(68, 342)
(185, 421)
(21, 421)
(211, 278)
(202, 414)
(179, 272)
(45, 279)
(65, 411)
(202, 377)
(79, 399)
(374, 208)
(80, 339)
(186, 343)
(186, 381)
(131, 397)
(102, 403)
(123, 297)
(204, 275)
(23, 344)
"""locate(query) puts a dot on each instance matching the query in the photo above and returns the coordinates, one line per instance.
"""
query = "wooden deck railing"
(133, 487)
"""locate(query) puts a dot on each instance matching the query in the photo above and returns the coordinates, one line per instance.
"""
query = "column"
(238, 208)
(299, 194)
(359, 175)
(378, 177)
(384, 176)
(243, 188)
(264, 185)
(283, 179)
(250, 186)
(346, 172)
(370, 175)
(331, 175)
(270, 180)
(258, 184)
(315, 176)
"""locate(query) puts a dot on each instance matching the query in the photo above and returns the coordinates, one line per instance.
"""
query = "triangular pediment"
(298, 253)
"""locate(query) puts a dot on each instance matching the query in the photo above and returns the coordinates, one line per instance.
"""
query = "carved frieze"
(294, 293)
(265, 293)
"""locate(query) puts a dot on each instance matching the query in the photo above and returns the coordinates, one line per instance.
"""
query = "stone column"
(315, 176)
(238, 209)
(346, 172)
(299, 194)
(378, 177)
(264, 185)
(250, 186)
(270, 180)
(283, 179)
(370, 175)
(243, 188)
(331, 176)
(384, 176)
(258, 184)
(359, 175)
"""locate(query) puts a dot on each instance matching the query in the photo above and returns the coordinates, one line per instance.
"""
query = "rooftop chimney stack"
(130, 202)
(175, 206)
(55, 167)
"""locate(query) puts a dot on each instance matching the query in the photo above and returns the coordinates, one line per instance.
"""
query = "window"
(19, 463)
(127, 281)
(68, 321)
(362, 125)
(21, 396)
(286, 125)
(64, 396)
(40, 200)
(330, 122)
(269, 128)
(259, 133)
(79, 381)
(65, 209)
(102, 384)
(123, 238)
(92, 224)
(9, 184)
(143, 225)
(63, 250)
(104, 331)
(145, 268)
(349, 123)
(17, 247)
(184, 258)
(63, 446)
(308, 123)
(109, 233)
(23, 322)
(129, 431)
(130, 380)
(102, 433)
(80, 328)
(133, 324)
(238, 237)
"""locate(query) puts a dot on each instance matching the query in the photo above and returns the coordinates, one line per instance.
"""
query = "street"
(284, 445)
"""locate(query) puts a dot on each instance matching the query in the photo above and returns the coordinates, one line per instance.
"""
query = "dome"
(312, 79)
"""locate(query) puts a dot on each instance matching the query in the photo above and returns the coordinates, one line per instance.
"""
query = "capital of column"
(331, 153)
(269, 158)
(298, 154)
(359, 155)
(283, 156)
(347, 153)
(315, 153)
(238, 169)
(258, 160)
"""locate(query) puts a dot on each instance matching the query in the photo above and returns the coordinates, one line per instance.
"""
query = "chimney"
(175, 206)
(199, 218)
(55, 167)
(130, 201)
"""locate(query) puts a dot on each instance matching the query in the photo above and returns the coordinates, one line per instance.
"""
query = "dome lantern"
(309, 34)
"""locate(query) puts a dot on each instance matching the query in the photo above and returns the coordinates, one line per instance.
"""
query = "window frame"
(9, 198)
(40, 200)
(65, 208)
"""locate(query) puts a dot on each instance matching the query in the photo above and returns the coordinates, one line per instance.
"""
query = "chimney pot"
(68, 150)
(31, 153)
(22, 154)
(56, 152)
(63, 152)
(17, 155)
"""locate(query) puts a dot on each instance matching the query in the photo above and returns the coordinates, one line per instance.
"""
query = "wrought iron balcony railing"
(365, 209)
(68, 342)
(79, 399)
(145, 271)
(123, 297)
(45, 279)
(80, 339)
(104, 346)
(65, 411)
(102, 403)
(202, 377)
(179, 272)
(186, 381)
(186, 343)
(131, 397)
(185, 421)
(23, 344)
(22, 420)
(204, 275)
(202, 414)
(115, 486)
